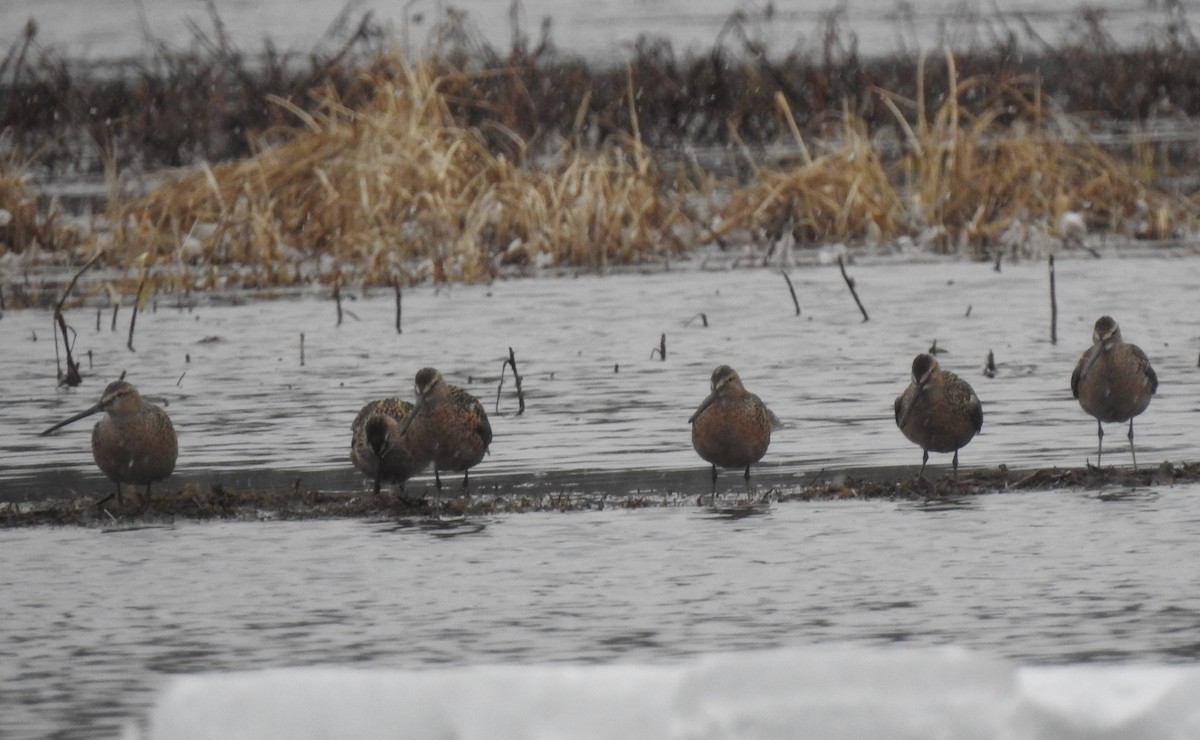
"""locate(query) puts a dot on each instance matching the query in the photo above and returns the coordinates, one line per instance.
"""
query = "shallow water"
(244, 407)
(95, 622)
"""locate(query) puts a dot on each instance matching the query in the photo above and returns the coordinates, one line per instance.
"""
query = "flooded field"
(597, 396)
(98, 618)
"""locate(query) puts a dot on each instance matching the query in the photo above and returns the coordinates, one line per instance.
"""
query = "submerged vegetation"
(359, 163)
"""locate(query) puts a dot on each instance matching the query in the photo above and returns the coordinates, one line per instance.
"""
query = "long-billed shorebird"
(732, 426)
(135, 442)
(938, 411)
(1113, 381)
(448, 425)
(377, 448)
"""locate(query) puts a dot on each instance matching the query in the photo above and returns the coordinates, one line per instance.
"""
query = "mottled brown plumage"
(938, 411)
(135, 442)
(732, 426)
(448, 425)
(377, 448)
(1113, 381)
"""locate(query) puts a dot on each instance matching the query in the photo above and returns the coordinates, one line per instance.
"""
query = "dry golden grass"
(964, 182)
(399, 187)
(24, 224)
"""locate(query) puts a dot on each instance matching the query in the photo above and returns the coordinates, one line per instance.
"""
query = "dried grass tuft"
(965, 181)
(399, 186)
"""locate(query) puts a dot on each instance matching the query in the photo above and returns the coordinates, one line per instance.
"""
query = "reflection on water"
(243, 404)
(94, 623)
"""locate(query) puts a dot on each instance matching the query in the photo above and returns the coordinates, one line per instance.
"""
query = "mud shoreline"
(255, 499)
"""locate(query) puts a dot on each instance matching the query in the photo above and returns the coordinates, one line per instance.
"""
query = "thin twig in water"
(661, 349)
(337, 297)
(511, 361)
(399, 308)
(1053, 306)
(137, 301)
(850, 284)
(791, 290)
(71, 377)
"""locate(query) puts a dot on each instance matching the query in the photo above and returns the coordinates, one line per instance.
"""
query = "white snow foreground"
(784, 693)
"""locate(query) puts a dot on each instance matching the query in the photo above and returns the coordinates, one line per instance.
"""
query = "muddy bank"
(197, 502)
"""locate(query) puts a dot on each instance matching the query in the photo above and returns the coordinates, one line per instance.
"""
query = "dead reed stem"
(792, 290)
(511, 362)
(1053, 306)
(72, 376)
(850, 284)
(137, 302)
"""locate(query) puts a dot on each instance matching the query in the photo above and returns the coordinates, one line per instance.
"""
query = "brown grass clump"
(24, 225)
(399, 186)
(963, 181)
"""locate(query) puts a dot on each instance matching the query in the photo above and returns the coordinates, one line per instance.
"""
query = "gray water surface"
(596, 398)
(95, 622)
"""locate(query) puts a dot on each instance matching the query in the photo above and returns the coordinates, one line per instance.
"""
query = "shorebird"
(447, 425)
(732, 427)
(135, 442)
(376, 447)
(1113, 381)
(938, 411)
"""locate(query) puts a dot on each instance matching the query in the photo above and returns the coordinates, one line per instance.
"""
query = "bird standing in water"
(732, 427)
(135, 442)
(1113, 381)
(376, 447)
(447, 425)
(938, 411)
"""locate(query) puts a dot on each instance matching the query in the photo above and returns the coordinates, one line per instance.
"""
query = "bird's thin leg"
(1100, 441)
(924, 459)
(714, 484)
(377, 486)
(1131, 450)
(955, 464)
(748, 498)
(437, 500)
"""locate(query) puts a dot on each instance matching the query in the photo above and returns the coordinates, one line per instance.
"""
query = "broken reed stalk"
(71, 377)
(337, 297)
(114, 318)
(301, 349)
(137, 301)
(703, 320)
(989, 367)
(661, 349)
(791, 290)
(399, 308)
(511, 361)
(1053, 306)
(850, 284)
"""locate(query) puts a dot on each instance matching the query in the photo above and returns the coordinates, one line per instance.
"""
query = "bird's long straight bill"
(76, 417)
(408, 420)
(703, 405)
